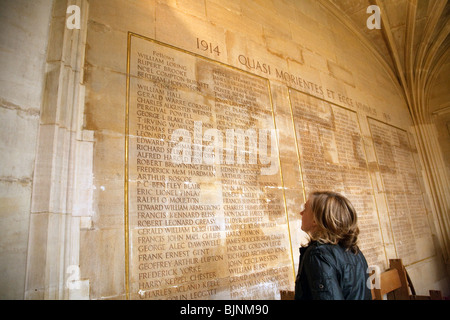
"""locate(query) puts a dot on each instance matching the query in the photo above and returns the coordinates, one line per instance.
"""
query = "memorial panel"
(407, 212)
(332, 158)
(205, 209)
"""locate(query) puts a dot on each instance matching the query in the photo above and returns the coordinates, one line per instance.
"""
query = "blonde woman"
(331, 267)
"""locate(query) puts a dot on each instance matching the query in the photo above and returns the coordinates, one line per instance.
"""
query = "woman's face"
(308, 222)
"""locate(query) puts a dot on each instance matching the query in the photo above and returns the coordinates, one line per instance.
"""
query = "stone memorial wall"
(406, 206)
(206, 212)
(177, 141)
(332, 156)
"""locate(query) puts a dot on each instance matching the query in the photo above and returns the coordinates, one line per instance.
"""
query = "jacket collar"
(310, 244)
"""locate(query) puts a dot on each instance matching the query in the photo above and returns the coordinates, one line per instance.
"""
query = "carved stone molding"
(62, 184)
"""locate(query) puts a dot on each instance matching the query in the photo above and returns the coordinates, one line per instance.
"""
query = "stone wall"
(338, 117)
(23, 44)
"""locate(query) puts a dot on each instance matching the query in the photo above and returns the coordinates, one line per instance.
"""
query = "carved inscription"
(408, 215)
(206, 210)
(332, 157)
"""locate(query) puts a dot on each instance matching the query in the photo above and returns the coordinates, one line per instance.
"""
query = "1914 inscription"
(206, 215)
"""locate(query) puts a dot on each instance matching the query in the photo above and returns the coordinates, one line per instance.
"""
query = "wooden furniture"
(389, 283)
(287, 295)
(396, 283)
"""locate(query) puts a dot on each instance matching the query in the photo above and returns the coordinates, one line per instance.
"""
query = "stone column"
(62, 185)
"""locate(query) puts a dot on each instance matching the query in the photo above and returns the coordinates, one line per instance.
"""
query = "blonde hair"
(336, 220)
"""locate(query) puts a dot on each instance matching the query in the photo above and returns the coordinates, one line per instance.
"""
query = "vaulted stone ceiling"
(413, 42)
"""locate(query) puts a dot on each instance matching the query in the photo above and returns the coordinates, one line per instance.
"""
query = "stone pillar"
(62, 185)
(437, 183)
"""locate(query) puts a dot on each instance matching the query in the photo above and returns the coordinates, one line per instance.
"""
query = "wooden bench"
(396, 284)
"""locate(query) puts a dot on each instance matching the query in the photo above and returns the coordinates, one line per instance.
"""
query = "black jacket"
(329, 272)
